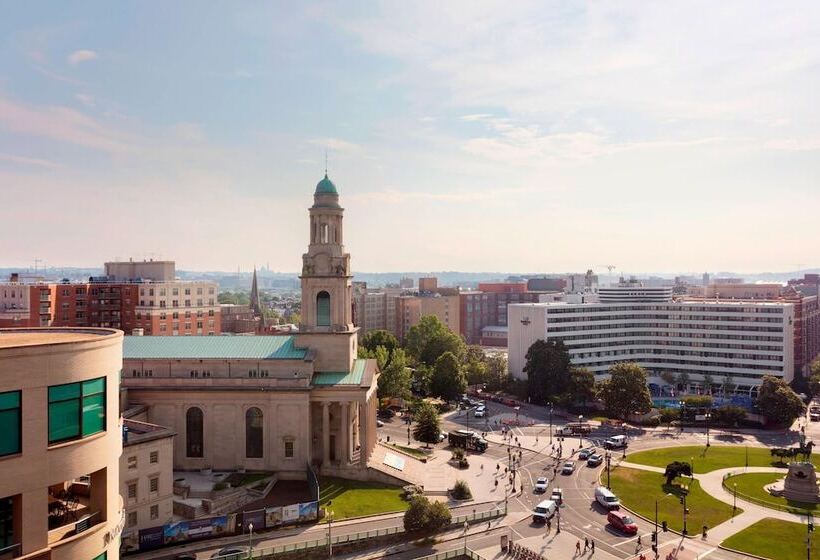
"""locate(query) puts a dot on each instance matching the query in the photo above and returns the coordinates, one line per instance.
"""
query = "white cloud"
(82, 55)
(85, 99)
(336, 145)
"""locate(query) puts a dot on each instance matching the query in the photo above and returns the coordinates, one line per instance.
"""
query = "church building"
(273, 403)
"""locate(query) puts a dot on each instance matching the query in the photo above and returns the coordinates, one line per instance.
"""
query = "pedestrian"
(592, 545)
(639, 541)
(496, 483)
(586, 544)
(549, 525)
(577, 547)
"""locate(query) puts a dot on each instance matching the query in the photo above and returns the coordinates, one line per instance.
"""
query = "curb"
(749, 554)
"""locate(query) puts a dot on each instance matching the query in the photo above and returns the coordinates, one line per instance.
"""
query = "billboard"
(308, 511)
(273, 517)
(194, 529)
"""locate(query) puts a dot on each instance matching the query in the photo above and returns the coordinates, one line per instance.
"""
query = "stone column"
(345, 435)
(363, 431)
(325, 434)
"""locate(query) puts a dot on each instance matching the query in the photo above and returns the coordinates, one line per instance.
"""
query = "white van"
(544, 511)
(606, 498)
(615, 442)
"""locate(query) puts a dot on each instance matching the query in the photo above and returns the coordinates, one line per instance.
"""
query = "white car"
(568, 468)
(541, 484)
(544, 511)
(479, 413)
(379, 423)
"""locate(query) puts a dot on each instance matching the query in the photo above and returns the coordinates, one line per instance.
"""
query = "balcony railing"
(11, 551)
(74, 527)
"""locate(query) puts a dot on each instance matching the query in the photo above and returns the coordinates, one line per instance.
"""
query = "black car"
(594, 460)
(386, 413)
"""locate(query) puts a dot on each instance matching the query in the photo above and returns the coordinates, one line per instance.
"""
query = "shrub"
(220, 486)
(458, 454)
(698, 401)
(461, 491)
(439, 516)
(463, 463)
(669, 415)
(422, 515)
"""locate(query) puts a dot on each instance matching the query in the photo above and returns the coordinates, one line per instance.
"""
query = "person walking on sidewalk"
(592, 545)
(577, 547)
(586, 544)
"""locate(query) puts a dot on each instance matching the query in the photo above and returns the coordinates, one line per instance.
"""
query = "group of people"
(588, 544)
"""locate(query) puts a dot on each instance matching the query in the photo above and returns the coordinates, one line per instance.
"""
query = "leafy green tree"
(475, 366)
(581, 385)
(235, 298)
(668, 377)
(698, 401)
(395, 378)
(683, 380)
(727, 387)
(814, 385)
(430, 338)
(379, 354)
(547, 368)
(778, 402)
(728, 415)
(376, 338)
(439, 516)
(427, 428)
(448, 379)
(424, 515)
(422, 375)
(497, 375)
(625, 392)
(708, 383)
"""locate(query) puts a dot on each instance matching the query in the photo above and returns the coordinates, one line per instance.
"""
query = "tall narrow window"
(76, 410)
(10, 419)
(253, 433)
(324, 233)
(193, 432)
(6, 522)
(323, 309)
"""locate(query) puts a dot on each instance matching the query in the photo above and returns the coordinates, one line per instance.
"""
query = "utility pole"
(550, 423)
(608, 457)
(809, 531)
(329, 535)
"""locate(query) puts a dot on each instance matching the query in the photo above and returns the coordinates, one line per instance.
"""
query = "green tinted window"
(76, 410)
(102, 556)
(323, 309)
(10, 423)
(93, 414)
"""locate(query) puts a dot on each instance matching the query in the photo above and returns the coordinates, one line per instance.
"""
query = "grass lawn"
(639, 489)
(775, 539)
(753, 484)
(710, 458)
(353, 498)
(418, 453)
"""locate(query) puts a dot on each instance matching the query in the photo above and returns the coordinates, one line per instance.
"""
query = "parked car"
(622, 522)
(379, 423)
(606, 498)
(386, 413)
(568, 468)
(541, 484)
(595, 460)
(441, 437)
(232, 552)
(544, 511)
(479, 413)
(584, 454)
(557, 496)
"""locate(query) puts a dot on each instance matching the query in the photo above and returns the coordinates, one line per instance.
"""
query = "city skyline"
(527, 137)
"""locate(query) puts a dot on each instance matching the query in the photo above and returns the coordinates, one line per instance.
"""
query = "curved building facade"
(60, 443)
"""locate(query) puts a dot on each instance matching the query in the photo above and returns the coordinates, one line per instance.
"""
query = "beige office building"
(60, 443)
(410, 310)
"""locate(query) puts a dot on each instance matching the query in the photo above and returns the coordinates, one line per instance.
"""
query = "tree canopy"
(376, 338)
(448, 379)
(547, 368)
(496, 372)
(475, 366)
(581, 385)
(778, 402)
(427, 429)
(430, 338)
(625, 392)
(395, 378)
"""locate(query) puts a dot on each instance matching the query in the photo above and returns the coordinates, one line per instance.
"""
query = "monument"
(800, 484)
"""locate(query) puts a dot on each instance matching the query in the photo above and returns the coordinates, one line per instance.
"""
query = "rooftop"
(15, 338)
(334, 378)
(212, 347)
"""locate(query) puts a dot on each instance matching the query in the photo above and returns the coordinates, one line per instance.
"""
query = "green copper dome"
(326, 186)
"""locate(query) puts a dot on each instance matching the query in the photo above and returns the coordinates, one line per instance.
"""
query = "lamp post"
(809, 531)
(734, 501)
(550, 423)
(682, 405)
(580, 432)
(655, 534)
(707, 416)
(329, 529)
(466, 526)
(684, 492)
(608, 458)
(250, 540)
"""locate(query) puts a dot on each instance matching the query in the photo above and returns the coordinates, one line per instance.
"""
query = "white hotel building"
(741, 339)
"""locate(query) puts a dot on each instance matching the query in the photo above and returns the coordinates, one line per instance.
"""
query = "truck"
(467, 439)
(573, 429)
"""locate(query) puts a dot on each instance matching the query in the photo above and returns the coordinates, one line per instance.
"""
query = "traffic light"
(663, 524)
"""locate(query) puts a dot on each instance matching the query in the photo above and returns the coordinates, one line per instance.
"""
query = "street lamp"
(707, 416)
(329, 528)
(684, 492)
(550, 423)
(655, 534)
(734, 503)
(250, 540)
(608, 458)
(580, 432)
(466, 526)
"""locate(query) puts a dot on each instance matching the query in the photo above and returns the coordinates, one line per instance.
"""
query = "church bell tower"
(327, 290)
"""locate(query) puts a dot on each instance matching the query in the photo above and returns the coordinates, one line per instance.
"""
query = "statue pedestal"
(800, 484)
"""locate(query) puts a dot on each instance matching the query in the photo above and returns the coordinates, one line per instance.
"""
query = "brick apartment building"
(130, 296)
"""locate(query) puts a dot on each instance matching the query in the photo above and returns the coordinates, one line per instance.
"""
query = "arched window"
(323, 309)
(325, 233)
(193, 432)
(253, 433)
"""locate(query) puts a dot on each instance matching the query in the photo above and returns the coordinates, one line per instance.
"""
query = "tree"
(727, 387)
(395, 378)
(417, 516)
(581, 385)
(778, 402)
(429, 339)
(376, 338)
(475, 366)
(676, 469)
(728, 415)
(497, 374)
(668, 377)
(448, 380)
(427, 428)
(547, 368)
(814, 385)
(379, 354)
(708, 383)
(683, 381)
(439, 516)
(625, 392)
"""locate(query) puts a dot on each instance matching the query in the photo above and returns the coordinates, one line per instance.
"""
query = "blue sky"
(462, 135)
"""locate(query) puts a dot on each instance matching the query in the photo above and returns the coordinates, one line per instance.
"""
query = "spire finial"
(325, 162)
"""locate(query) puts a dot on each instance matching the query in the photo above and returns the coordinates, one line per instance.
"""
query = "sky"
(473, 136)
